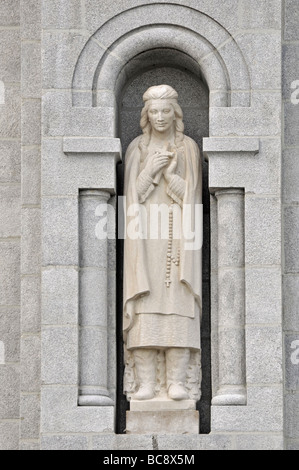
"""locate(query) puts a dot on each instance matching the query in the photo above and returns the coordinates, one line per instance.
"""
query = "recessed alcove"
(171, 67)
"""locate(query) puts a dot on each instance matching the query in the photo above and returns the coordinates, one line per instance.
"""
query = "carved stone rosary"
(170, 258)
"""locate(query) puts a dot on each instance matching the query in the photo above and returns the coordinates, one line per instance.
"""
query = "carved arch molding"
(112, 54)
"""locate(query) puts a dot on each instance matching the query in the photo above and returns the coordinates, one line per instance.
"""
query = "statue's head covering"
(161, 92)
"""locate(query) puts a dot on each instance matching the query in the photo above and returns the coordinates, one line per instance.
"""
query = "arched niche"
(145, 42)
(172, 67)
(125, 37)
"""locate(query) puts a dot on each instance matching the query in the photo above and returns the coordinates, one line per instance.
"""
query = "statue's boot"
(145, 364)
(177, 361)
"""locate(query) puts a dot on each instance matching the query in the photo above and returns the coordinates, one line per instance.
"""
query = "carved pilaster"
(231, 298)
(93, 336)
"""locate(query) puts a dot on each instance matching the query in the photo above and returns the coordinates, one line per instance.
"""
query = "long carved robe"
(158, 314)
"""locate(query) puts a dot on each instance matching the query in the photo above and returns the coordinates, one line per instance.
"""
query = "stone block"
(242, 166)
(263, 395)
(60, 54)
(10, 211)
(263, 230)
(10, 162)
(31, 122)
(9, 435)
(31, 241)
(10, 13)
(30, 368)
(235, 145)
(292, 413)
(246, 419)
(31, 19)
(161, 405)
(95, 17)
(31, 70)
(60, 231)
(291, 32)
(264, 347)
(159, 14)
(292, 445)
(63, 175)
(262, 51)
(290, 68)
(59, 355)
(29, 445)
(263, 118)
(64, 443)
(60, 119)
(61, 414)
(60, 14)
(10, 122)
(263, 295)
(265, 14)
(10, 273)
(10, 55)
(9, 390)
(291, 345)
(31, 176)
(30, 416)
(291, 239)
(91, 146)
(259, 442)
(199, 442)
(163, 422)
(122, 442)
(10, 333)
(291, 121)
(60, 296)
(31, 300)
(290, 175)
(291, 302)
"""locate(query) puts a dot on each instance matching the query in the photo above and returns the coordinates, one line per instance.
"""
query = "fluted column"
(93, 336)
(231, 298)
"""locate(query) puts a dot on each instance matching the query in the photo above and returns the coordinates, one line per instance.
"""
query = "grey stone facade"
(72, 73)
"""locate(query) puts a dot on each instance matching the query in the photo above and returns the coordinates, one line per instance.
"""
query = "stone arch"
(113, 49)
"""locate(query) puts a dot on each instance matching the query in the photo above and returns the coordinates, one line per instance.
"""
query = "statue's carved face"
(161, 115)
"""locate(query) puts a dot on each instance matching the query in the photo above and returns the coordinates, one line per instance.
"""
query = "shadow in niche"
(194, 99)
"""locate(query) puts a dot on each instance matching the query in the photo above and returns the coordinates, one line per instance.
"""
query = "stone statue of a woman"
(162, 277)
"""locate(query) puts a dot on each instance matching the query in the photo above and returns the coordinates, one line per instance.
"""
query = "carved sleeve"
(176, 189)
(144, 186)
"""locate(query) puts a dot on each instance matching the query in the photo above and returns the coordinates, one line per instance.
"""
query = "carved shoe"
(177, 391)
(145, 392)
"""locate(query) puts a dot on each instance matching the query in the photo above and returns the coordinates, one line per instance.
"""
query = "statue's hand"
(170, 169)
(157, 162)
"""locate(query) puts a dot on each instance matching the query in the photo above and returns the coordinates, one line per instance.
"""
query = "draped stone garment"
(157, 316)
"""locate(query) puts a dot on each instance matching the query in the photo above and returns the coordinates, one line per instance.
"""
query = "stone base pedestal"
(162, 404)
(163, 422)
